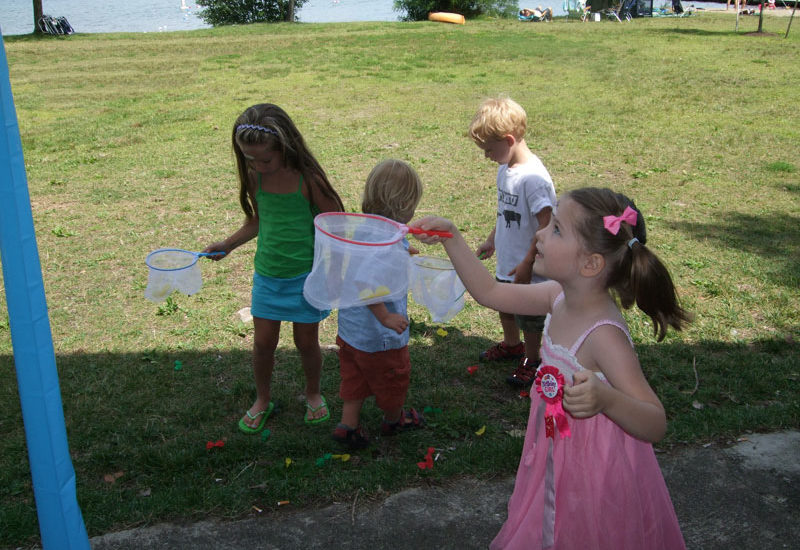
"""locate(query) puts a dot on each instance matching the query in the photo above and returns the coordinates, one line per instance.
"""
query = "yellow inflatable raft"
(444, 17)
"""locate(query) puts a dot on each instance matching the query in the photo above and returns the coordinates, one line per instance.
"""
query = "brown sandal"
(409, 420)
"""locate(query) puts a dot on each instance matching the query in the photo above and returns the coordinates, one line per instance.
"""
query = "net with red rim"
(359, 229)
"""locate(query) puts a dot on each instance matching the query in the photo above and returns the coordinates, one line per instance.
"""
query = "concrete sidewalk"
(742, 497)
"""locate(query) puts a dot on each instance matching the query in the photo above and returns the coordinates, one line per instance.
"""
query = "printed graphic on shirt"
(507, 198)
(511, 216)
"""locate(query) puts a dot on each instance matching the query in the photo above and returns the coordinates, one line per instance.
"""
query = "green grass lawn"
(126, 140)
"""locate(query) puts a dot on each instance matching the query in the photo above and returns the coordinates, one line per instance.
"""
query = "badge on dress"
(550, 386)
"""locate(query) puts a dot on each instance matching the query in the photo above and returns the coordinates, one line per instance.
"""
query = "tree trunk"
(761, 17)
(290, 12)
(37, 14)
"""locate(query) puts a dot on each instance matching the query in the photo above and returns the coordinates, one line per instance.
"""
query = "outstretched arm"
(522, 299)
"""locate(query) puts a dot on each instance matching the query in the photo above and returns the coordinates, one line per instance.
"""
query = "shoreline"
(776, 12)
(783, 9)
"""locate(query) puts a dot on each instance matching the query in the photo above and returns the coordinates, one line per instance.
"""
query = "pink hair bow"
(611, 223)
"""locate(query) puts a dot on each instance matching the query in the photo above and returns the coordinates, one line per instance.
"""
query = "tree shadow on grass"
(791, 187)
(144, 427)
(692, 32)
(775, 238)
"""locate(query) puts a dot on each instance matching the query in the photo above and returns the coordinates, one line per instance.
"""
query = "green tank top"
(285, 247)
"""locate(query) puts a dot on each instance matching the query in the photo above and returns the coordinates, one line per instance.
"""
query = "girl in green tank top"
(285, 233)
(281, 188)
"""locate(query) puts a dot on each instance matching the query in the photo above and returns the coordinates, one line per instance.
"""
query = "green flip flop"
(244, 428)
(312, 410)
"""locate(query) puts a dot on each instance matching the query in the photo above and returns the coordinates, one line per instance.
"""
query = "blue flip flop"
(244, 428)
(312, 410)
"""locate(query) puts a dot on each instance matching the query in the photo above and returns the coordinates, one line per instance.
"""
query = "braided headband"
(256, 127)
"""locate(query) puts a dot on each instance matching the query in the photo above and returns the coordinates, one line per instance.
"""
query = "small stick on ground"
(696, 379)
(243, 470)
(353, 510)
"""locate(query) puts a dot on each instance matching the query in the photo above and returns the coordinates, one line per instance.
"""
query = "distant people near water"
(536, 14)
(740, 5)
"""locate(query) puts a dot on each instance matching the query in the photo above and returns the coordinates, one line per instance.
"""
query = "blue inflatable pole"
(60, 520)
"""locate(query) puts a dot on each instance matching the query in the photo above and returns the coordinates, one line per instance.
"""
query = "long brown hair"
(268, 124)
(635, 273)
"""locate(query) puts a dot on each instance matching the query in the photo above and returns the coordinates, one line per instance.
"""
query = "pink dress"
(598, 488)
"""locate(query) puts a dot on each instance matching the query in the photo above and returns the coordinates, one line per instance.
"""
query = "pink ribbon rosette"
(550, 386)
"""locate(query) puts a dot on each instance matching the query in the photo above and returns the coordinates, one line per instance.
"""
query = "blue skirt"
(282, 300)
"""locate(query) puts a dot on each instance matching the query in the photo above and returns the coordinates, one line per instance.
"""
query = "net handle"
(418, 231)
(196, 255)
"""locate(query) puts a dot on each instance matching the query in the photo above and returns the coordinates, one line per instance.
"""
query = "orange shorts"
(384, 374)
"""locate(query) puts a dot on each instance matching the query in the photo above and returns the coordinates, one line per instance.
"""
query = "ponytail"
(614, 228)
(652, 287)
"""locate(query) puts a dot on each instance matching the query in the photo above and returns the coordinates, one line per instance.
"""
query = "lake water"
(16, 16)
(94, 16)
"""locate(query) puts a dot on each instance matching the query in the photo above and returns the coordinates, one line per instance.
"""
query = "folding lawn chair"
(57, 26)
(614, 12)
(628, 9)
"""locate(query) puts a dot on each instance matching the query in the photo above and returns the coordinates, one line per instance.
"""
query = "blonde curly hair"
(496, 118)
(393, 190)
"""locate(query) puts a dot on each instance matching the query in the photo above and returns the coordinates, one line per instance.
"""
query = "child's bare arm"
(522, 299)
(394, 321)
(245, 233)
(629, 400)
(324, 203)
(486, 249)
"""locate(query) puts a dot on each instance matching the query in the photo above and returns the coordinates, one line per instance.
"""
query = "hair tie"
(633, 240)
(256, 127)
(612, 223)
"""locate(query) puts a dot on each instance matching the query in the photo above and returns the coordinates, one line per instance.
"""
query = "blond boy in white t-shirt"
(525, 200)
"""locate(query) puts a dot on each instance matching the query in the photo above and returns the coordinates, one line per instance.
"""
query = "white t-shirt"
(522, 192)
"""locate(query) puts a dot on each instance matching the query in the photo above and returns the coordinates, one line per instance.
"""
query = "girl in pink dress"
(588, 477)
